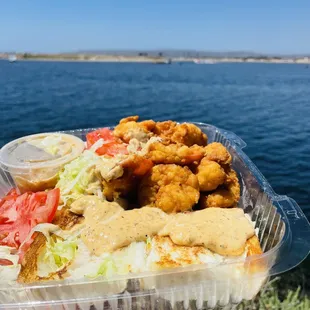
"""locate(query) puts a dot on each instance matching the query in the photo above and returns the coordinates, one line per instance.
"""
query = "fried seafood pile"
(172, 167)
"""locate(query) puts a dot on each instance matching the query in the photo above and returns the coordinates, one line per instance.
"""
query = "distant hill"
(190, 53)
(169, 53)
(185, 53)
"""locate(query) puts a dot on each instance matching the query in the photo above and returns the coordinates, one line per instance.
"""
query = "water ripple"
(267, 105)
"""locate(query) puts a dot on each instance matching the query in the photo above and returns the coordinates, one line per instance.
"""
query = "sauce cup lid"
(44, 150)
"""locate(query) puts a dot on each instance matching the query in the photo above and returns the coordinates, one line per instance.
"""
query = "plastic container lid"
(45, 150)
(283, 231)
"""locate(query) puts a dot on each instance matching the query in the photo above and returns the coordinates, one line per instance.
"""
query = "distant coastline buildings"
(159, 57)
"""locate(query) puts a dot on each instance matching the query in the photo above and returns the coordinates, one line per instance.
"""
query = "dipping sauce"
(34, 161)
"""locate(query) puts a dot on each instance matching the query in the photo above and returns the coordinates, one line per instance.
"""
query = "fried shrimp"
(169, 187)
(137, 165)
(164, 129)
(176, 197)
(210, 175)
(221, 198)
(232, 184)
(188, 134)
(119, 187)
(128, 128)
(179, 154)
(217, 152)
(125, 180)
(225, 197)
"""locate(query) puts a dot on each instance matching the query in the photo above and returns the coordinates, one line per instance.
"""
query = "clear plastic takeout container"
(34, 161)
(283, 231)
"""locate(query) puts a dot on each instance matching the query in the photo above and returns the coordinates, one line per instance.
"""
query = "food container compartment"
(34, 161)
(283, 231)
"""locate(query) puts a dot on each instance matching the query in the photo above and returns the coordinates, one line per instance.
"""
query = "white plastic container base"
(284, 234)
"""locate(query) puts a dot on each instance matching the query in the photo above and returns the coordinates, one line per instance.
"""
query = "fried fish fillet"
(236, 271)
(165, 254)
(161, 253)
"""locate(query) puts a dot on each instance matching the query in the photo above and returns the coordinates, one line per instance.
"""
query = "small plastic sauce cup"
(34, 161)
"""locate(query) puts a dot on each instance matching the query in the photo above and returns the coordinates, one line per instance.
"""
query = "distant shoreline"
(152, 59)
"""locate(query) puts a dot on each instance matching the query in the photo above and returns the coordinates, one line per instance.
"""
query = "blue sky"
(61, 26)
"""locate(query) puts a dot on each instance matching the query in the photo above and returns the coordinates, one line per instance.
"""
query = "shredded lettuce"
(148, 243)
(120, 262)
(76, 177)
(57, 254)
(60, 249)
(123, 261)
(9, 272)
(45, 228)
(5, 253)
(107, 268)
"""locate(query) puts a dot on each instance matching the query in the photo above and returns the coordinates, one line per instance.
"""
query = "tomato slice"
(11, 194)
(20, 213)
(117, 148)
(103, 133)
(5, 262)
(111, 145)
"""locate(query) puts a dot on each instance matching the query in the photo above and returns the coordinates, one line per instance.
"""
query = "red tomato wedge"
(11, 194)
(111, 145)
(5, 262)
(20, 213)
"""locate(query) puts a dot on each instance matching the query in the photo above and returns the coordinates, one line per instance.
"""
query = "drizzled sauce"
(108, 227)
(223, 231)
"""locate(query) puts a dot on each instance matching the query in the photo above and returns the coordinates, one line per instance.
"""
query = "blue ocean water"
(267, 105)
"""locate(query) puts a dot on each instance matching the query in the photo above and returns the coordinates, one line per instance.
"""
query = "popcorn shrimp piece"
(217, 152)
(170, 187)
(179, 154)
(186, 133)
(210, 175)
(126, 179)
(225, 197)
(128, 128)
(176, 197)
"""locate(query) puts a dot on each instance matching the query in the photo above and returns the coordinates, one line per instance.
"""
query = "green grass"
(289, 291)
